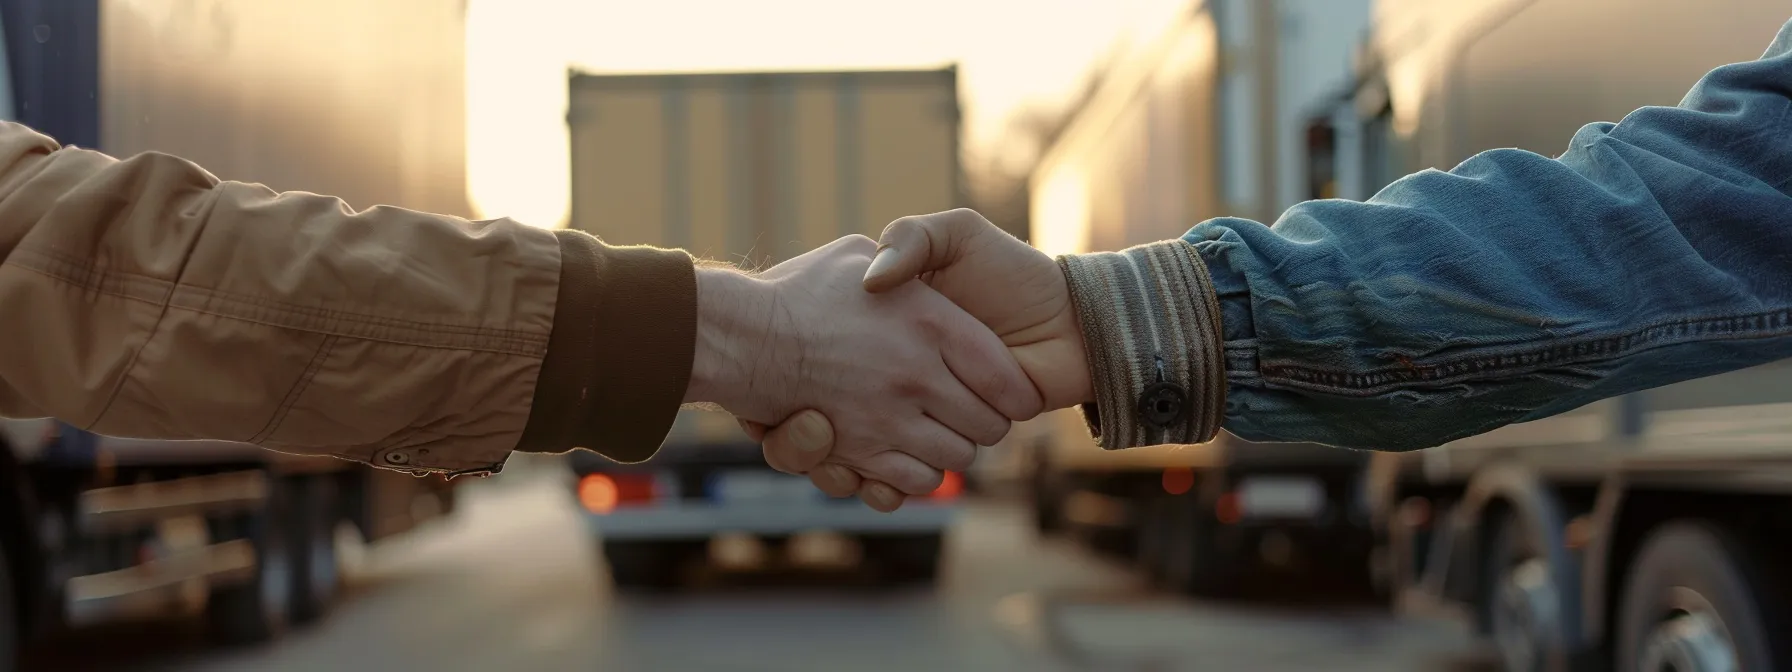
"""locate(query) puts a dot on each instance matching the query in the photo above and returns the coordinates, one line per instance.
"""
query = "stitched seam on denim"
(1473, 367)
(156, 291)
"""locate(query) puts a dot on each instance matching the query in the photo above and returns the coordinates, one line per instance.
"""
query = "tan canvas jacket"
(147, 298)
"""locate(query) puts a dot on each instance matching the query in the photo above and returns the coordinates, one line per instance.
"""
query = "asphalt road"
(514, 584)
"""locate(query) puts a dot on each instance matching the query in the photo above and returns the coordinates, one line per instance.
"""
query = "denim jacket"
(1514, 287)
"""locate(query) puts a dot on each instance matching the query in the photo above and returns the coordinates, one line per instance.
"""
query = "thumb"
(914, 245)
(801, 443)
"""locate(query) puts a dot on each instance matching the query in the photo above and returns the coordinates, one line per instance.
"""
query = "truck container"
(752, 168)
(96, 529)
(1187, 128)
(1642, 532)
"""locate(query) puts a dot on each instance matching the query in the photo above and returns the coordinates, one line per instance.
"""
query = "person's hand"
(911, 383)
(1014, 289)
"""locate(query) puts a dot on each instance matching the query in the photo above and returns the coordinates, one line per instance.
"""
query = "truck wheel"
(318, 575)
(9, 619)
(1696, 599)
(1152, 531)
(1213, 570)
(1522, 601)
(647, 566)
(256, 610)
(907, 559)
(1048, 515)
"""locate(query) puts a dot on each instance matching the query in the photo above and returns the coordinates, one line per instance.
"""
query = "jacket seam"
(298, 390)
(166, 294)
(1767, 324)
(85, 268)
(154, 329)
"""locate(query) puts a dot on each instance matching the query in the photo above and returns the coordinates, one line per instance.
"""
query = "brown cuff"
(1151, 325)
(619, 358)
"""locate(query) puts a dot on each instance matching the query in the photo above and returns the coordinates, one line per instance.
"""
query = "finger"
(933, 444)
(800, 444)
(978, 359)
(835, 480)
(880, 496)
(905, 472)
(961, 412)
(754, 430)
(914, 245)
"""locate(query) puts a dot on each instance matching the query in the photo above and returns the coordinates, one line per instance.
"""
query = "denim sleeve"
(1516, 286)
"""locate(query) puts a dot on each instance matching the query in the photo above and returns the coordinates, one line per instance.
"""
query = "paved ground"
(514, 584)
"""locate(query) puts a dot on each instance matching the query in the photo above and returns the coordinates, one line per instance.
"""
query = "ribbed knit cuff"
(1151, 325)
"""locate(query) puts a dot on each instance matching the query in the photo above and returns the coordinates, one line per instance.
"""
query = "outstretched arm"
(1511, 288)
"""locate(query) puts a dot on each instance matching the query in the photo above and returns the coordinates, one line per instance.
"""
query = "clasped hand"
(874, 369)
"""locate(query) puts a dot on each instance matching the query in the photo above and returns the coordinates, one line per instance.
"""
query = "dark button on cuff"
(1162, 405)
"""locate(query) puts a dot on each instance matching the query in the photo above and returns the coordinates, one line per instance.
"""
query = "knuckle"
(910, 386)
(858, 242)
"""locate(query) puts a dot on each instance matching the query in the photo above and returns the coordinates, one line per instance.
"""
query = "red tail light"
(1226, 510)
(950, 487)
(603, 493)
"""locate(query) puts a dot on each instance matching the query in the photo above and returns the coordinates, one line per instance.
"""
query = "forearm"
(1515, 286)
(147, 298)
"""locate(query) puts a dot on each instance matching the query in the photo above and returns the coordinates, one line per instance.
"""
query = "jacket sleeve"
(146, 298)
(1511, 288)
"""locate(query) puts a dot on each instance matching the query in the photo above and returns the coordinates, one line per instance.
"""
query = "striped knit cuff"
(1151, 325)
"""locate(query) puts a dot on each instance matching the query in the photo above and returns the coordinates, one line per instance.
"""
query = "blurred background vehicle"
(1650, 519)
(754, 168)
(1645, 531)
(96, 529)
(1207, 119)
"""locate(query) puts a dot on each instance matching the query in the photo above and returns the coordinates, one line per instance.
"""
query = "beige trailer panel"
(756, 168)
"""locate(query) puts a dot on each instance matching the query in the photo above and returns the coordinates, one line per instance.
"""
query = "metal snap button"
(1163, 405)
(398, 457)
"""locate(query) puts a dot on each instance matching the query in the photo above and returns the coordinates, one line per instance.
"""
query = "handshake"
(874, 368)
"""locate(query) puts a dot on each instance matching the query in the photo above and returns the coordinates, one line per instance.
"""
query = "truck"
(753, 168)
(1206, 118)
(1641, 532)
(96, 529)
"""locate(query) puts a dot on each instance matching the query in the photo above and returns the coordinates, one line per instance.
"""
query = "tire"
(257, 610)
(10, 623)
(1693, 579)
(908, 559)
(648, 566)
(1152, 536)
(1519, 600)
(318, 574)
(1207, 567)
(1048, 515)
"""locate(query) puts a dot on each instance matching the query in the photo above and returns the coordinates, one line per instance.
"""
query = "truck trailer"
(96, 529)
(1192, 125)
(1643, 532)
(752, 168)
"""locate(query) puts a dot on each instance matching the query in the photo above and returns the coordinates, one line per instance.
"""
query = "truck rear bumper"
(696, 521)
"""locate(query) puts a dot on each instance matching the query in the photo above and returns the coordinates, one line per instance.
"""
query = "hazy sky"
(1010, 52)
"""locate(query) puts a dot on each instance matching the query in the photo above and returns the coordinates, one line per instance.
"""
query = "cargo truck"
(1192, 125)
(752, 168)
(96, 529)
(1644, 532)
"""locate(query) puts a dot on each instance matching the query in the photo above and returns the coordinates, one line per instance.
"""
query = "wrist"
(727, 332)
